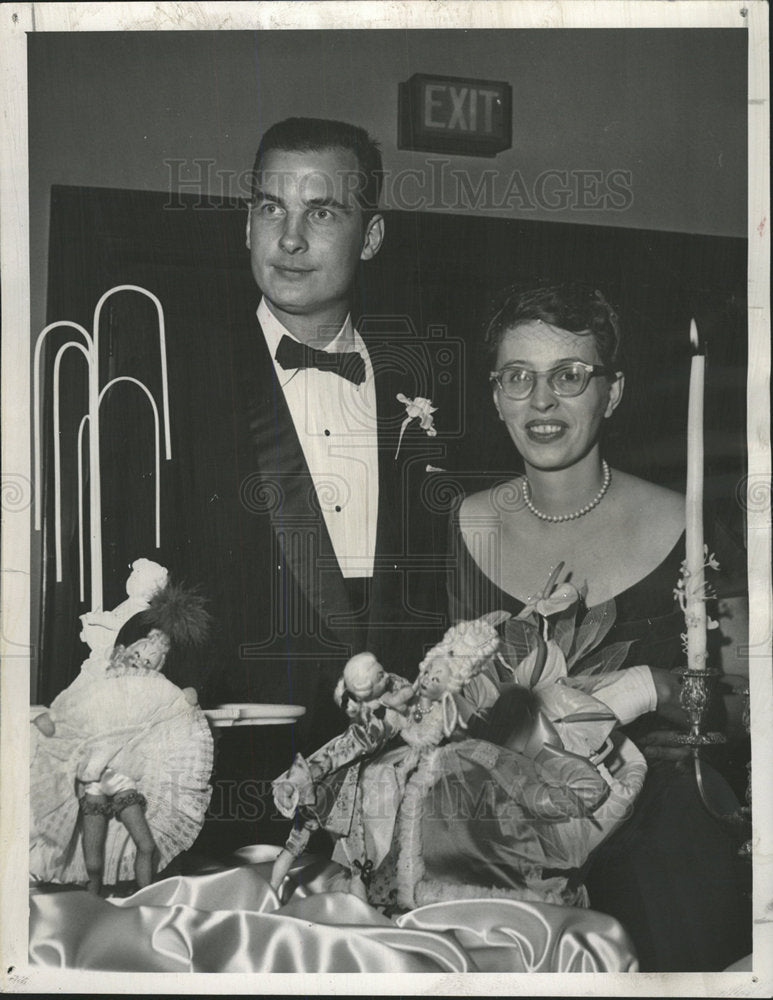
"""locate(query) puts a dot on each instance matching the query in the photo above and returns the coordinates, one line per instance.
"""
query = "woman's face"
(551, 431)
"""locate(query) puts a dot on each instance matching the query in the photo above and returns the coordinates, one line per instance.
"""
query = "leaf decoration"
(539, 663)
(594, 627)
(564, 629)
(552, 583)
(524, 672)
(480, 693)
(563, 597)
(495, 618)
(545, 665)
(501, 663)
(520, 638)
(513, 716)
(603, 661)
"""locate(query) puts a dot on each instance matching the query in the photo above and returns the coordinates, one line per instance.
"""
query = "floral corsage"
(418, 407)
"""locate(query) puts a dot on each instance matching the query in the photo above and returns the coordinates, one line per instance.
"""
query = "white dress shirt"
(336, 425)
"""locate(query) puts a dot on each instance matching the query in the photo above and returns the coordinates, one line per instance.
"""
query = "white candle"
(695, 608)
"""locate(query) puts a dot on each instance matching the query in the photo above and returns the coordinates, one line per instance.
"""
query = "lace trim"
(89, 806)
(123, 800)
(410, 864)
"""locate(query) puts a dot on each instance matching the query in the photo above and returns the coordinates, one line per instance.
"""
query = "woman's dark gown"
(671, 874)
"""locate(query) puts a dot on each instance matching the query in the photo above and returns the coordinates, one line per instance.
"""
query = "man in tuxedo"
(323, 538)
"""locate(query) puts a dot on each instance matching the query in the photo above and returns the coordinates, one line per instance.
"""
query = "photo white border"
(18, 19)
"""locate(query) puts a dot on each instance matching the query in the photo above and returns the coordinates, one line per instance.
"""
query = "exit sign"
(451, 114)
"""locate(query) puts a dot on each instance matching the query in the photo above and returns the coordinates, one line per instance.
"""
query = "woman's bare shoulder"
(493, 501)
(660, 504)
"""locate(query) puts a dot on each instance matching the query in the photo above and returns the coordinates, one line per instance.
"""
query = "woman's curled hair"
(571, 306)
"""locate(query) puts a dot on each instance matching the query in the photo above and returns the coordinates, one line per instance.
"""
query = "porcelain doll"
(323, 789)
(121, 761)
(444, 814)
(366, 690)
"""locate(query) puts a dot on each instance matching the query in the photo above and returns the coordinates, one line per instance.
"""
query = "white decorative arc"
(90, 422)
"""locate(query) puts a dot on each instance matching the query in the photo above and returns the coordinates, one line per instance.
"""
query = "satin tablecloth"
(232, 921)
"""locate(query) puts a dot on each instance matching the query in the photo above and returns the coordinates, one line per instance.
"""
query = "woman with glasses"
(670, 874)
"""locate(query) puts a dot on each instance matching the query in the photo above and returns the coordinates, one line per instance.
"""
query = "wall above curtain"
(637, 128)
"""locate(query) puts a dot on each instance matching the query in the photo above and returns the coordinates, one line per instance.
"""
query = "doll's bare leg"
(95, 811)
(129, 807)
(281, 867)
(294, 848)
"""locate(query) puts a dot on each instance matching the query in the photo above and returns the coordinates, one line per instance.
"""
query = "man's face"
(306, 235)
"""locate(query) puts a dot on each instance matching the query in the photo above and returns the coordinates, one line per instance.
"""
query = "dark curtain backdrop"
(436, 274)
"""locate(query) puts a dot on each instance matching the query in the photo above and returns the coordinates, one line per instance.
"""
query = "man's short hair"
(301, 135)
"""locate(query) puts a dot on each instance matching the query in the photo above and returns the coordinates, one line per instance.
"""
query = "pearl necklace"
(556, 518)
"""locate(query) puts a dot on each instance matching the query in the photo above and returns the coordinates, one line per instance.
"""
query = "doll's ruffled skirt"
(140, 725)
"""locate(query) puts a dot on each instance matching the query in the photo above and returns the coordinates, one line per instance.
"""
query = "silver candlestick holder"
(695, 699)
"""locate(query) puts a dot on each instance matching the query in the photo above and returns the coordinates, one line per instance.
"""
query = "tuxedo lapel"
(405, 617)
(388, 606)
(287, 489)
(403, 452)
(278, 481)
(387, 524)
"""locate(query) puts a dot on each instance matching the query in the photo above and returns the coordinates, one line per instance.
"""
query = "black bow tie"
(349, 364)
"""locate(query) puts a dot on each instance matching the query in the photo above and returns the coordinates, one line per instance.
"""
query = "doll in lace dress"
(121, 761)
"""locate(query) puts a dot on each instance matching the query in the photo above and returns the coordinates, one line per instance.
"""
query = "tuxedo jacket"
(251, 531)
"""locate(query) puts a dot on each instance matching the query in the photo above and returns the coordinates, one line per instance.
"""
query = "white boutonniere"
(418, 407)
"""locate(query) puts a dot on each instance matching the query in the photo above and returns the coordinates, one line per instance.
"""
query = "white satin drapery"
(232, 921)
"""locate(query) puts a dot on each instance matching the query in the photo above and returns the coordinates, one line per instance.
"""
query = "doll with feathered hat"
(120, 763)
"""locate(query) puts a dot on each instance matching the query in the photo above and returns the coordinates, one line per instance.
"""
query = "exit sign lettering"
(451, 114)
